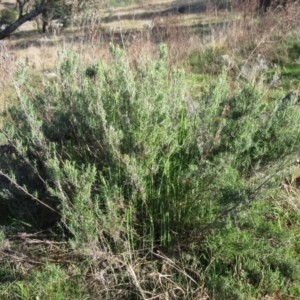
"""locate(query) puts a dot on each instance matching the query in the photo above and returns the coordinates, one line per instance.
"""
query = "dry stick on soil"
(173, 265)
(17, 258)
(136, 282)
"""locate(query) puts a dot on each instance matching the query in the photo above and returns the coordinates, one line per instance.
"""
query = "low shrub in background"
(8, 16)
(132, 167)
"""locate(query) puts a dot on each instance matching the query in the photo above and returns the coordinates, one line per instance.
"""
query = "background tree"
(7, 16)
(30, 9)
(265, 5)
(55, 10)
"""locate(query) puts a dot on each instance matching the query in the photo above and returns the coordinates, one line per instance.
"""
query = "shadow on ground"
(188, 8)
(158, 35)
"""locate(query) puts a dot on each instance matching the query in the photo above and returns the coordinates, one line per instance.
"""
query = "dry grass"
(6, 70)
(235, 32)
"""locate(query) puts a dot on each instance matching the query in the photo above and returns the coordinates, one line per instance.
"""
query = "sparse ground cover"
(152, 163)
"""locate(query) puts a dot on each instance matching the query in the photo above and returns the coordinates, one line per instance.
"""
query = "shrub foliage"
(125, 160)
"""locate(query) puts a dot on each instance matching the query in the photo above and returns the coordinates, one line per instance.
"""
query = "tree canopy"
(30, 9)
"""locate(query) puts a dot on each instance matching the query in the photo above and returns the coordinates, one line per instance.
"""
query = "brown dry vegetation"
(126, 26)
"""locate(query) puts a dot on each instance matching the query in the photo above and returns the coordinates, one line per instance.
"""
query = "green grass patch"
(48, 282)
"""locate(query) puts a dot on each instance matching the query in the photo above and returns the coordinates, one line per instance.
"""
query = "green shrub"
(252, 254)
(8, 16)
(125, 160)
(207, 61)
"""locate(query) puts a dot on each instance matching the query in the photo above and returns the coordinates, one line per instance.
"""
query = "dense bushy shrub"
(126, 160)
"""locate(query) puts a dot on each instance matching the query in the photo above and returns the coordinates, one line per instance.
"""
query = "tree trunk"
(21, 20)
